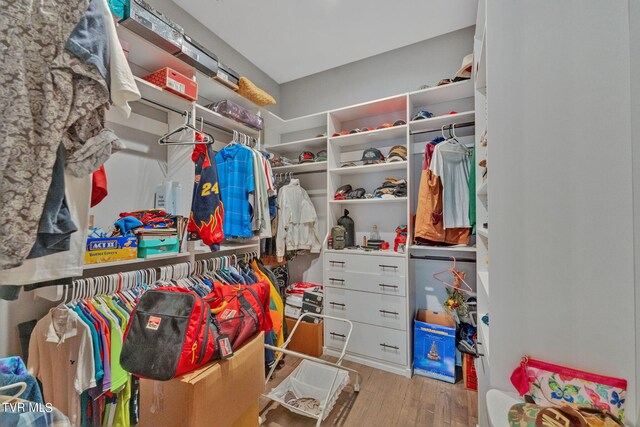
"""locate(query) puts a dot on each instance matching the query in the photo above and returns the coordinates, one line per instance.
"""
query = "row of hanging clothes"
(74, 350)
(445, 212)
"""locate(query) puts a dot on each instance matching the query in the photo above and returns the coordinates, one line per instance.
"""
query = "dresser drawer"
(375, 309)
(372, 264)
(374, 342)
(387, 285)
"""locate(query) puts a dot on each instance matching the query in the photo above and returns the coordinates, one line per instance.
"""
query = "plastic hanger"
(457, 278)
(8, 399)
(191, 134)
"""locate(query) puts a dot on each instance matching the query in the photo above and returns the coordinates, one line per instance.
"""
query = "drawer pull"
(389, 346)
(336, 262)
(331, 279)
(382, 285)
(337, 335)
(395, 313)
(337, 303)
(383, 266)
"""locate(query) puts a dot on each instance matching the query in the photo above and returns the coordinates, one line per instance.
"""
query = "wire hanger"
(192, 133)
(457, 279)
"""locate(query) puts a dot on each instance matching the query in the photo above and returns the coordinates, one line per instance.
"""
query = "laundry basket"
(313, 387)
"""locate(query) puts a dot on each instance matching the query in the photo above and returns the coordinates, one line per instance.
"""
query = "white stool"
(498, 405)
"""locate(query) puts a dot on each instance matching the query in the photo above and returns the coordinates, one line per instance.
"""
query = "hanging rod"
(183, 113)
(461, 125)
(441, 258)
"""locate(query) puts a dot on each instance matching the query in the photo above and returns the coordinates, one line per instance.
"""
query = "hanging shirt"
(61, 356)
(235, 176)
(297, 221)
(261, 206)
(207, 211)
(451, 162)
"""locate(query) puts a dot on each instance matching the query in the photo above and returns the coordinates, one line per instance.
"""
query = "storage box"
(118, 7)
(469, 375)
(308, 339)
(311, 308)
(153, 26)
(227, 76)
(174, 82)
(313, 297)
(196, 55)
(434, 346)
(292, 311)
(110, 249)
(147, 248)
(221, 394)
(238, 113)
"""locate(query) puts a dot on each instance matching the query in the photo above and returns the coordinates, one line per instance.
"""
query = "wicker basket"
(254, 93)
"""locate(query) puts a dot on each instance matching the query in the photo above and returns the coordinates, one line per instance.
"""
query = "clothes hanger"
(192, 132)
(457, 277)
(8, 399)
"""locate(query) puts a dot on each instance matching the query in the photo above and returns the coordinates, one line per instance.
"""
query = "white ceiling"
(289, 39)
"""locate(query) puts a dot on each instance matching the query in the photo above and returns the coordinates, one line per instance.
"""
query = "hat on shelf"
(372, 156)
(356, 130)
(444, 82)
(341, 192)
(399, 122)
(321, 156)
(384, 126)
(422, 114)
(321, 135)
(348, 165)
(398, 153)
(465, 69)
(306, 157)
(358, 193)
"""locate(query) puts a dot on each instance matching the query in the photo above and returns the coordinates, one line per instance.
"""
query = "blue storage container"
(434, 347)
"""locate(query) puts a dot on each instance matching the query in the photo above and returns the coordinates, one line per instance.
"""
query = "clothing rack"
(184, 113)
(461, 125)
(441, 258)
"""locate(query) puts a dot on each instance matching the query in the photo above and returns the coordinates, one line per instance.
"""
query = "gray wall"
(390, 73)
(228, 55)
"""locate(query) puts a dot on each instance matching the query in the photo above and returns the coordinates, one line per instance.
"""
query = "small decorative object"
(433, 353)
(456, 301)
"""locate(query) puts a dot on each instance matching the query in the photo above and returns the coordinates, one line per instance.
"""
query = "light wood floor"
(384, 400)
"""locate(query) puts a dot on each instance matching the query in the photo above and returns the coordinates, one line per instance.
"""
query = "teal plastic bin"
(150, 247)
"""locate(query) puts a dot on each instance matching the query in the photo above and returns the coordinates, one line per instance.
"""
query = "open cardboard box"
(224, 393)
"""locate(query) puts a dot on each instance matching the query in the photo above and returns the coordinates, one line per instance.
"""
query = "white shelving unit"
(369, 201)
(381, 167)
(436, 123)
(302, 168)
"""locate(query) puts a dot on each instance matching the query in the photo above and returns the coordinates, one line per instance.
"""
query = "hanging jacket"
(297, 221)
(207, 211)
(276, 304)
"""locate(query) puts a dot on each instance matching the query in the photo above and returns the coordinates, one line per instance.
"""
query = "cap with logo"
(465, 69)
(321, 156)
(398, 153)
(371, 156)
(341, 193)
(306, 157)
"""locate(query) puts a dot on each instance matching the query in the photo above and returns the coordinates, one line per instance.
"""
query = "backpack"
(338, 235)
(241, 311)
(171, 332)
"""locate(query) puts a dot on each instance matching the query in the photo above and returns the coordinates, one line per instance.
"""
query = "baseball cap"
(399, 122)
(321, 156)
(342, 192)
(465, 69)
(306, 157)
(371, 156)
(398, 153)
(422, 114)
(384, 126)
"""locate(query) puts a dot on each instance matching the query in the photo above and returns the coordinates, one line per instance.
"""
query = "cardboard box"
(434, 346)
(469, 375)
(174, 82)
(308, 339)
(219, 394)
(110, 249)
(250, 418)
(313, 297)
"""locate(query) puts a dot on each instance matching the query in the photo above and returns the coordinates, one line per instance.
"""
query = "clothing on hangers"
(236, 177)
(297, 221)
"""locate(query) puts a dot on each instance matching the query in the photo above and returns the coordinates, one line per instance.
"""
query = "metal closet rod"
(183, 113)
(441, 258)
(461, 125)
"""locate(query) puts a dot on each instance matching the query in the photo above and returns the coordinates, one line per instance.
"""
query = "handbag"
(171, 332)
(548, 385)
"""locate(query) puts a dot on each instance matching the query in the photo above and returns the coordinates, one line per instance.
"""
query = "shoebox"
(196, 55)
(110, 249)
(308, 338)
(313, 297)
(227, 76)
(148, 248)
(174, 82)
(469, 375)
(153, 26)
(311, 308)
(224, 393)
(434, 345)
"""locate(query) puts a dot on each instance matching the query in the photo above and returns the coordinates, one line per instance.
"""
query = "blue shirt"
(235, 177)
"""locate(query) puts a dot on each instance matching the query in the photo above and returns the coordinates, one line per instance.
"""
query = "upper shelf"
(302, 168)
(311, 144)
(438, 94)
(436, 123)
(356, 140)
(373, 108)
(282, 126)
(381, 167)
(220, 120)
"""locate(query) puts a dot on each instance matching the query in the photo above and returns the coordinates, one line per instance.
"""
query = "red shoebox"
(469, 372)
(174, 82)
